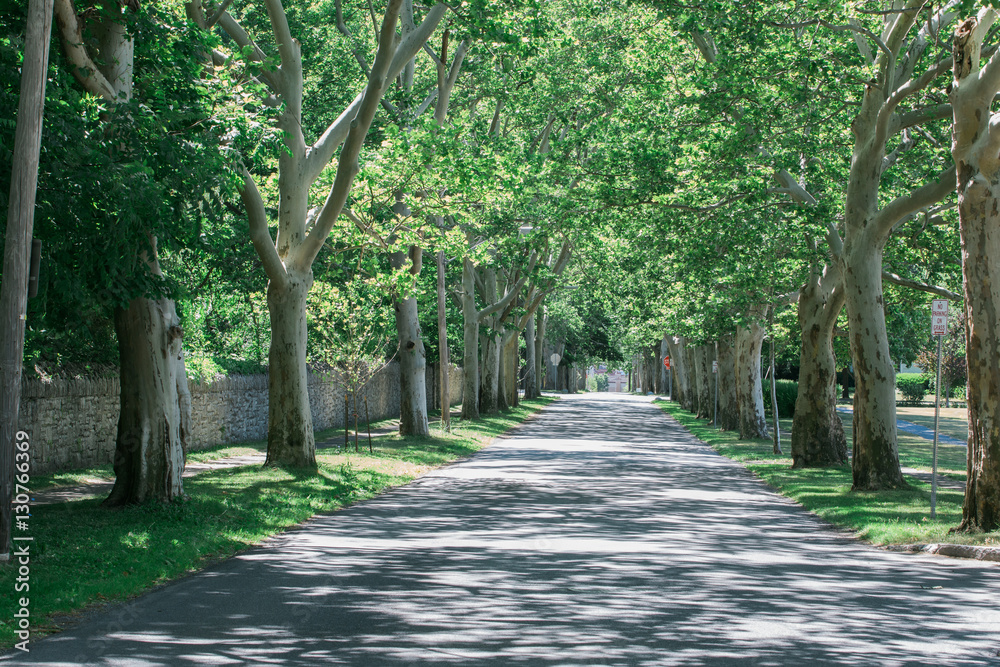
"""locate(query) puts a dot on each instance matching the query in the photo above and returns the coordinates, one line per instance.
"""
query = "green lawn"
(890, 517)
(954, 421)
(84, 555)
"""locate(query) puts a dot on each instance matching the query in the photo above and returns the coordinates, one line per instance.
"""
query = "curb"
(952, 550)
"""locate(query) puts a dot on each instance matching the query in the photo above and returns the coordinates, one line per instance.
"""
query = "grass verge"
(882, 518)
(83, 556)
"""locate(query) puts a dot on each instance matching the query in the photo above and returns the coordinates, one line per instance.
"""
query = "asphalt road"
(600, 533)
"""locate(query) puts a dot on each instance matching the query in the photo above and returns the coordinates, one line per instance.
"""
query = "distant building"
(617, 381)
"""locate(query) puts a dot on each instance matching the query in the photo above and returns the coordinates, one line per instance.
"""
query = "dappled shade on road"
(598, 533)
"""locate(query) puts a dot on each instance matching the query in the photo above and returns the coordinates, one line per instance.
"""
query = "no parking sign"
(939, 317)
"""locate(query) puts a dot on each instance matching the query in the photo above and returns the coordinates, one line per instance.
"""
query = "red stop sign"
(666, 362)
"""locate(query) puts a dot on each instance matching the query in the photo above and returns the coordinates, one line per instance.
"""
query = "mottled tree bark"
(749, 389)
(678, 366)
(703, 373)
(817, 430)
(975, 148)
(290, 439)
(729, 414)
(149, 451)
(530, 361)
(869, 220)
(470, 359)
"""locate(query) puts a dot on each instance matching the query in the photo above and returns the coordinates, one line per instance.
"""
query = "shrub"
(602, 382)
(786, 391)
(912, 386)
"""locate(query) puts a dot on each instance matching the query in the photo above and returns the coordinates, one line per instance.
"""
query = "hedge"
(786, 391)
(913, 386)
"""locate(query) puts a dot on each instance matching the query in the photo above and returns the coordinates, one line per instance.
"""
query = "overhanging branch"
(888, 276)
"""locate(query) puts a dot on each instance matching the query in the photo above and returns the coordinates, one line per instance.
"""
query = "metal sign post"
(939, 327)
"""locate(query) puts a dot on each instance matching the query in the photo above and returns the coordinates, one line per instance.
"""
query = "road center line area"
(599, 533)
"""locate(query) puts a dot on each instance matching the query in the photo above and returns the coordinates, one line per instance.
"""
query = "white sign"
(939, 317)
(715, 366)
(555, 359)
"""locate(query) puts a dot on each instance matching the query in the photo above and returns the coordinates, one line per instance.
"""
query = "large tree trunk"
(975, 145)
(530, 362)
(678, 366)
(876, 460)
(817, 431)
(489, 383)
(444, 358)
(661, 369)
(154, 420)
(729, 413)
(703, 373)
(149, 449)
(412, 368)
(470, 315)
(503, 377)
(845, 378)
(749, 389)
(539, 351)
(510, 359)
(290, 439)
(867, 226)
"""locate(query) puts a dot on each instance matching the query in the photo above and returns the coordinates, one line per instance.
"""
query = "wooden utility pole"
(17, 251)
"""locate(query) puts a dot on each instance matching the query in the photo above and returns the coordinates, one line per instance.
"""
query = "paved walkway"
(62, 494)
(915, 429)
(601, 533)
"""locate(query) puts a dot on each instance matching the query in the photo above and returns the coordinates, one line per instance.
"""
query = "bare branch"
(84, 69)
(347, 167)
(705, 44)
(431, 96)
(923, 287)
(322, 151)
(793, 189)
(342, 27)
(912, 86)
(434, 57)
(448, 83)
(502, 303)
(918, 46)
(859, 40)
(232, 27)
(920, 198)
(259, 234)
(857, 29)
(919, 117)
(218, 14)
(287, 45)
(906, 144)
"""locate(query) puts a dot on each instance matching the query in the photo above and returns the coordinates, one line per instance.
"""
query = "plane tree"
(975, 145)
(301, 231)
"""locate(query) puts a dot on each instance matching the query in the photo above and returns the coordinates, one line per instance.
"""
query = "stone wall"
(73, 423)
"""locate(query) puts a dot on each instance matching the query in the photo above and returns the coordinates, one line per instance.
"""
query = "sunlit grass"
(887, 517)
(83, 555)
(954, 422)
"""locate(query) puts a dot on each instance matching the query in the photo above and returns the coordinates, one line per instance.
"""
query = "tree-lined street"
(600, 532)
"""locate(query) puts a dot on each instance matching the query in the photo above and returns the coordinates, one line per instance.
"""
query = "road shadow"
(600, 533)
